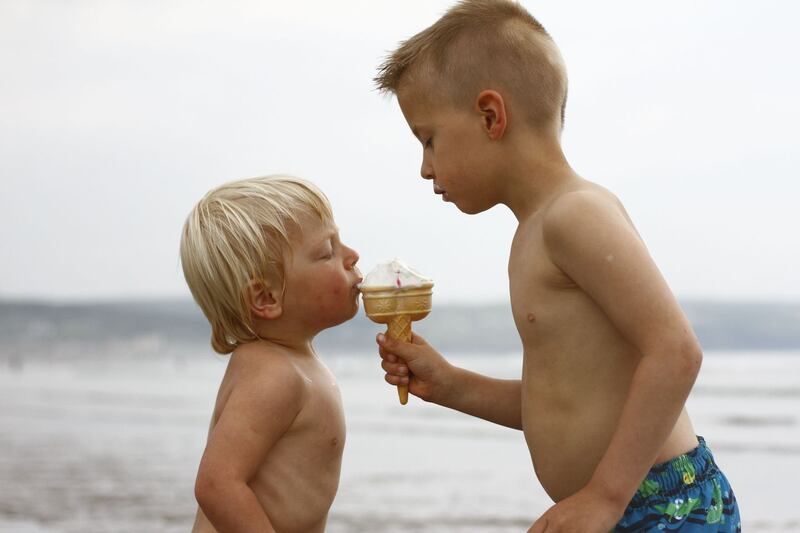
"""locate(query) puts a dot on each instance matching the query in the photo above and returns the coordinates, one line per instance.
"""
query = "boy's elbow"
(203, 489)
(691, 355)
(207, 491)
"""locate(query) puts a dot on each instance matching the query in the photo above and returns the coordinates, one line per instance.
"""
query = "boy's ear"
(493, 110)
(265, 300)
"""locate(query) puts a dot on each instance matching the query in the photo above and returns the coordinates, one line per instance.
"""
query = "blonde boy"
(264, 262)
(609, 357)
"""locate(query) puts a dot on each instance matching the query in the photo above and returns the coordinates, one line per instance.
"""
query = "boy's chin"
(472, 206)
(353, 312)
(472, 209)
(344, 316)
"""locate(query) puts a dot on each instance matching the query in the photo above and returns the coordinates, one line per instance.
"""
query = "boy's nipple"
(531, 317)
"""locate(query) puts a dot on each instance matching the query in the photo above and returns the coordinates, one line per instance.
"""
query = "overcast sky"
(116, 116)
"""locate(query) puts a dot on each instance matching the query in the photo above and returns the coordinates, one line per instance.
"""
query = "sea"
(106, 435)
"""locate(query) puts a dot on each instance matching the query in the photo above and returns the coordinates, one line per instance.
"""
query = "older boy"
(609, 357)
(264, 262)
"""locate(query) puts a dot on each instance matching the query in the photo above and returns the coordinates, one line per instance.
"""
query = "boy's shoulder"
(263, 371)
(585, 225)
(584, 208)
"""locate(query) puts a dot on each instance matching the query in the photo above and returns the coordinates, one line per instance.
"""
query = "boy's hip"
(688, 493)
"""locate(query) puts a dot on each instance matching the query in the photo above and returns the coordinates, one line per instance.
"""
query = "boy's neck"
(537, 171)
(281, 334)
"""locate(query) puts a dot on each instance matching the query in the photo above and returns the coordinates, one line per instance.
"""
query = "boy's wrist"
(443, 394)
(612, 493)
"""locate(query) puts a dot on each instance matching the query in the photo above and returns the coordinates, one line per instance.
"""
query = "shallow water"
(111, 444)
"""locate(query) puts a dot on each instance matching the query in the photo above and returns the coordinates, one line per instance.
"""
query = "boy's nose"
(352, 259)
(426, 171)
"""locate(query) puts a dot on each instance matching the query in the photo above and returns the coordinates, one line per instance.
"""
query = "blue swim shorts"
(687, 494)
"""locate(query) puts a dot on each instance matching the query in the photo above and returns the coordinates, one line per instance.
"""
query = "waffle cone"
(399, 328)
(397, 308)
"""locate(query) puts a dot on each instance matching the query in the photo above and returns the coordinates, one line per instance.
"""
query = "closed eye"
(326, 252)
(332, 243)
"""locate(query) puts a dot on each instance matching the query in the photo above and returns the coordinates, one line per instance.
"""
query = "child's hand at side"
(429, 375)
(587, 511)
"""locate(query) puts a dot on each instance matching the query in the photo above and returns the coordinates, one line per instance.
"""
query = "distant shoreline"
(467, 328)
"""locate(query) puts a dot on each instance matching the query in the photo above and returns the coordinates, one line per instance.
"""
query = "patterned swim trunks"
(687, 494)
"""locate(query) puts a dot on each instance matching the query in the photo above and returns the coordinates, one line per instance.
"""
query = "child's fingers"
(418, 339)
(398, 369)
(396, 380)
(387, 356)
(403, 350)
(386, 349)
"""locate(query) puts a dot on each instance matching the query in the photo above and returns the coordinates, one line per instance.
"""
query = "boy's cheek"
(329, 296)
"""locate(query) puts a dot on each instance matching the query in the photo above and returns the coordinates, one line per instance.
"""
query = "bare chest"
(321, 424)
(562, 330)
(538, 288)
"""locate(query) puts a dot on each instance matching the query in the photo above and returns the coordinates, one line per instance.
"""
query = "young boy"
(264, 262)
(609, 357)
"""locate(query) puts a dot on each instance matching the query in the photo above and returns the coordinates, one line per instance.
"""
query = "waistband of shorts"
(677, 475)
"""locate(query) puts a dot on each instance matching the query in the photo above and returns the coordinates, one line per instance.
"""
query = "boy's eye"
(327, 253)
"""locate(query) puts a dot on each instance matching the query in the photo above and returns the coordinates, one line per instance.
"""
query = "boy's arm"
(435, 380)
(589, 237)
(259, 411)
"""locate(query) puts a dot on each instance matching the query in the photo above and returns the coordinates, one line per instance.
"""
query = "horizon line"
(167, 299)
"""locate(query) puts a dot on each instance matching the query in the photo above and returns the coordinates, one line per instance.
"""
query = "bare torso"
(577, 368)
(298, 480)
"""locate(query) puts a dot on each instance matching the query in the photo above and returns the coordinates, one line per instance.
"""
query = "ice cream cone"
(397, 308)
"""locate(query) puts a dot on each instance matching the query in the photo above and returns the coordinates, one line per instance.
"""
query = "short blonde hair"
(484, 44)
(238, 233)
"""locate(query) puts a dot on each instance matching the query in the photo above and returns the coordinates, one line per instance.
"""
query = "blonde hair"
(238, 233)
(483, 44)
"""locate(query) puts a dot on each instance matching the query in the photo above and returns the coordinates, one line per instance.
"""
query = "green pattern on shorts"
(649, 488)
(688, 494)
(678, 508)
(685, 466)
(715, 515)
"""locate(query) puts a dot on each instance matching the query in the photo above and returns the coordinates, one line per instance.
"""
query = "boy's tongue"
(394, 274)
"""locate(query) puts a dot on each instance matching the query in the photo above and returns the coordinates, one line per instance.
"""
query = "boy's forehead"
(315, 229)
(420, 100)
(416, 107)
(310, 229)
(409, 99)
